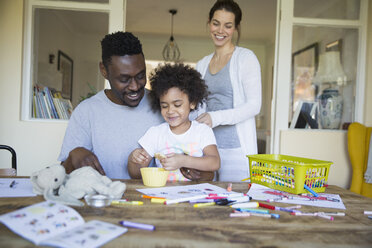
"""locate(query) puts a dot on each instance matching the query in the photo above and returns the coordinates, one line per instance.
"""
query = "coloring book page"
(16, 187)
(49, 223)
(263, 193)
(177, 192)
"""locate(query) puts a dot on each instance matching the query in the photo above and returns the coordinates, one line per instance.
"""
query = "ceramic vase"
(330, 109)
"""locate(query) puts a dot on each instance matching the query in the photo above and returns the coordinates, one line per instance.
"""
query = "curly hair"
(185, 78)
(119, 44)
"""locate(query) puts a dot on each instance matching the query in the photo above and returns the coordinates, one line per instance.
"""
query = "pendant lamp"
(171, 52)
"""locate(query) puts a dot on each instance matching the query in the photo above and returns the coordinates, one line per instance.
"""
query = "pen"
(137, 225)
(310, 190)
(12, 184)
(328, 217)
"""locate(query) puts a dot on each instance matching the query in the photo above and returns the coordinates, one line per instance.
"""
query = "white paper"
(177, 192)
(50, 223)
(21, 188)
(262, 193)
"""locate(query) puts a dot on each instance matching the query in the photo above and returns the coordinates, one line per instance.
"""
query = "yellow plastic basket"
(288, 173)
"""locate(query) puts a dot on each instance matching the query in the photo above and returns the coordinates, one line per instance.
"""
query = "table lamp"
(331, 75)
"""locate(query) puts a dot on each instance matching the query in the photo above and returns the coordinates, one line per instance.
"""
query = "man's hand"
(80, 157)
(194, 174)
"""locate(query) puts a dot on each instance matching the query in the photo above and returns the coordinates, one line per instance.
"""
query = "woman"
(233, 77)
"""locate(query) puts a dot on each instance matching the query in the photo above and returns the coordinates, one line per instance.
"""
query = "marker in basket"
(310, 190)
(137, 225)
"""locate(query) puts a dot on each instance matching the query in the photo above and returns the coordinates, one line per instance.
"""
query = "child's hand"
(172, 161)
(140, 156)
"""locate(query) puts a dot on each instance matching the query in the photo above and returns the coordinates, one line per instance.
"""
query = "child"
(176, 90)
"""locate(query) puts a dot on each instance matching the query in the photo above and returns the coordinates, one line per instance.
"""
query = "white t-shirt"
(160, 139)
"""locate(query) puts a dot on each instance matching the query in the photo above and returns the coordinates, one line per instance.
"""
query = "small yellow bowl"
(154, 177)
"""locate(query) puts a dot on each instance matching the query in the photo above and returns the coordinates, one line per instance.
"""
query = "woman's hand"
(205, 118)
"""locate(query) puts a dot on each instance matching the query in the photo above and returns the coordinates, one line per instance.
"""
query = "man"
(104, 129)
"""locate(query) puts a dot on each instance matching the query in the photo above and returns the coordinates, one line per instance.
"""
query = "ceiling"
(152, 16)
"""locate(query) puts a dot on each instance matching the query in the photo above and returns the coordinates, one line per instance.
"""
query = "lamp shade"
(330, 69)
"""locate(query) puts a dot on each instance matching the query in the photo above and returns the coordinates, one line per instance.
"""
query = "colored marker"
(274, 216)
(199, 205)
(333, 214)
(245, 205)
(185, 199)
(328, 217)
(229, 194)
(152, 197)
(253, 210)
(137, 225)
(263, 205)
(156, 200)
(127, 202)
(118, 201)
(203, 201)
(310, 190)
(303, 214)
(229, 187)
(240, 199)
(240, 214)
(368, 212)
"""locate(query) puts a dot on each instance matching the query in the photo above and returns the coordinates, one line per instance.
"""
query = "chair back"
(13, 170)
(358, 142)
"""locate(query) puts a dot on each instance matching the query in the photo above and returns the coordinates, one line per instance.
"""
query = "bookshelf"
(47, 103)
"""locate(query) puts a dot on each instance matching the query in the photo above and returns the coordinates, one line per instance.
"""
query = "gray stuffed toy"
(56, 185)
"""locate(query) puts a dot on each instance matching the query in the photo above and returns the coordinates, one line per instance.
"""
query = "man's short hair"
(119, 44)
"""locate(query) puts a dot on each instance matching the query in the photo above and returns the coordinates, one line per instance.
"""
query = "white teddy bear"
(56, 185)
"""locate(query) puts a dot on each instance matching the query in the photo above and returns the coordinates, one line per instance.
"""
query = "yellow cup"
(154, 177)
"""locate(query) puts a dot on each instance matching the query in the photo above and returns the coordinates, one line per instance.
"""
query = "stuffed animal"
(56, 185)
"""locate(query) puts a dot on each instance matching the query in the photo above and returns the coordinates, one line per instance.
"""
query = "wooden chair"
(9, 171)
(358, 142)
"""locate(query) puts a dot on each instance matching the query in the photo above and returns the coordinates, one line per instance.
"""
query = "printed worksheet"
(263, 193)
(16, 187)
(176, 192)
(53, 224)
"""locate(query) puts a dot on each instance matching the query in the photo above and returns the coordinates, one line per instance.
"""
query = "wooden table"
(182, 225)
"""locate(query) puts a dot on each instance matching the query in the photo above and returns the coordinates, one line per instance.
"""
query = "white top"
(160, 139)
(109, 130)
(245, 74)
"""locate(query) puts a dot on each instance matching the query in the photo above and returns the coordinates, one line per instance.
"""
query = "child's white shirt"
(160, 139)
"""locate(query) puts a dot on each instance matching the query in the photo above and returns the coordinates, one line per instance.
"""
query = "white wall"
(37, 143)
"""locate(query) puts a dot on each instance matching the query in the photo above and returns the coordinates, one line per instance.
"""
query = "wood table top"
(182, 225)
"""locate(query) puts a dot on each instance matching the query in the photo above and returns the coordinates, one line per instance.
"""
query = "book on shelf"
(52, 224)
(49, 104)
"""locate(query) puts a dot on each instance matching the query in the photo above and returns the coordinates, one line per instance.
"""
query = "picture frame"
(305, 115)
(304, 65)
(66, 67)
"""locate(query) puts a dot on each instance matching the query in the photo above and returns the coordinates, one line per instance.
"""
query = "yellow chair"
(358, 141)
